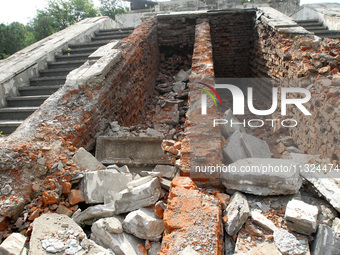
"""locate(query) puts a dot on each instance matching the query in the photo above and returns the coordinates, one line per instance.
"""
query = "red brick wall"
(296, 57)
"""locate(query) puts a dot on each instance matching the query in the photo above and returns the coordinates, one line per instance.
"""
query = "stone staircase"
(52, 78)
(318, 29)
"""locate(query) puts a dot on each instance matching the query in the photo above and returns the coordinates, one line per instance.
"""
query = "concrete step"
(112, 37)
(9, 126)
(89, 44)
(46, 81)
(16, 113)
(327, 32)
(316, 28)
(55, 72)
(80, 51)
(112, 33)
(65, 64)
(116, 30)
(83, 57)
(306, 21)
(332, 36)
(312, 24)
(38, 90)
(23, 101)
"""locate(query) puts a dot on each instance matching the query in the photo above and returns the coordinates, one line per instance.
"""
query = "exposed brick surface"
(191, 218)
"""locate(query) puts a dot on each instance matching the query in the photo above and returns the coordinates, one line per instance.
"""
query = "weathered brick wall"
(299, 58)
(73, 117)
(204, 140)
(232, 38)
(176, 37)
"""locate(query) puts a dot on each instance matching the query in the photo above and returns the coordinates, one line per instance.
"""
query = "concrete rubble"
(241, 145)
(288, 243)
(259, 178)
(236, 213)
(301, 217)
(13, 245)
(144, 224)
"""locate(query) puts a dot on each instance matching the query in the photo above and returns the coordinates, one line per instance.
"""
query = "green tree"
(111, 8)
(14, 37)
(60, 14)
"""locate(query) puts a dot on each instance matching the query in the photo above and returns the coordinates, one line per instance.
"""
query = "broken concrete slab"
(336, 235)
(327, 187)
(55, 233)
(138, 197)
(144, 224)
(98, 183)
(167, 171)
(86, 160)
(94, 212)
(124, 244)
(324, 241)
(301, 217)
(289, 244)
(135, 151)
(181, 76)
(138, 182)
(12, 208)
(264, 248)
(255, 147)
(237, 213)
(91, 248)
(241, 145)
(111, 224)
(234, 150)
(227, 129)
(259, 219)
(263, 177)
(13, 244)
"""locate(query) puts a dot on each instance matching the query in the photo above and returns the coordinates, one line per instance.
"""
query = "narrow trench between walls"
(148, 108)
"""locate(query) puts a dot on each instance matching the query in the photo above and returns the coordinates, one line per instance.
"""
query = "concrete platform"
(131, 151)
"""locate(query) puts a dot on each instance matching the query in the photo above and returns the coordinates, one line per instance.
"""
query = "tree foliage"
(58, 15)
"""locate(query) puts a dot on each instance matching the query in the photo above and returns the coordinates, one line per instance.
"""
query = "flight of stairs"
(51, 79)
(318, 29)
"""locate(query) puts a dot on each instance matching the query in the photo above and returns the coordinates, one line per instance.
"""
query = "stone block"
(135, 151)
(86, 160)
(178, 86)
(301, 217)
(13, 244)
(94, 212)
(124, 244)
(289, 244)
(324, 241)
(181, 76)
(138, 197)
(259, 219)
(55, 233)
(167, 171)
(255, 147)
(228, 128)
(144, 224)
(237, 213)
(263, 177)
(234, 150)
(97, 184)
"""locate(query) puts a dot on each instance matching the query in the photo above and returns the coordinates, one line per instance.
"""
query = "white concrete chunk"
(97, 184)
(181, 76)
(230, 127)
(91, 248)
(122, 244)
(263, 177)
(144, 224)
(188, 251)
(324, 241)
(94, 212)
(85, 159)
(138, 182)
(259, 219)
(237, 213)
(167, 171)
(140, 196)
(13, 244)
(301, 217)
(255, 147)
(288, 244)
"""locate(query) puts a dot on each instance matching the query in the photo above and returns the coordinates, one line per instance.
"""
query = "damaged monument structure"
(121, 137)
